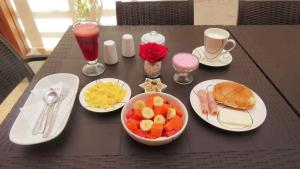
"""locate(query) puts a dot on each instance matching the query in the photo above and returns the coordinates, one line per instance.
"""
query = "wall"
(215, 12)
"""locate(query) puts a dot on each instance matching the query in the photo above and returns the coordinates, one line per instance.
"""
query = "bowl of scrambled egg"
(104, 95)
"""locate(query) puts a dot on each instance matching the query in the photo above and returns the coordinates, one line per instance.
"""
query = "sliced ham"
(203, 101)
(213, 109)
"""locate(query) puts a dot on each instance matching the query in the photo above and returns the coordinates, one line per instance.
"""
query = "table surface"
(275, 49)
(98, 140)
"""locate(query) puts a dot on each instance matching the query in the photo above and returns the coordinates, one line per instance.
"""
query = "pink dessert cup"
(184, 63)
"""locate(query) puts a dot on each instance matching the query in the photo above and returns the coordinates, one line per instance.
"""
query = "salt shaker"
(128, 45)
(153, 37)
(110, 52)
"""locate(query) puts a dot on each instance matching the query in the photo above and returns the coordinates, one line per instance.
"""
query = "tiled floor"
(207, 12)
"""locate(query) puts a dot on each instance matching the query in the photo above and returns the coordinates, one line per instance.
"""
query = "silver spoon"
(50, 98)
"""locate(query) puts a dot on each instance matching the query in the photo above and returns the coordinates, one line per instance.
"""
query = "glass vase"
(87, 10)
(152, 70)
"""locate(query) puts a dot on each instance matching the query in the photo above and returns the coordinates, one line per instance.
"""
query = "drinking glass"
(87, 34)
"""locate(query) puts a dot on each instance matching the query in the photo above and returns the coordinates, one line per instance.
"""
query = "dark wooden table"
(93, 140)
(276, 50)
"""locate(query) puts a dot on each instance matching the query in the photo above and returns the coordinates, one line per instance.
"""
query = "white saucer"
(224, 60)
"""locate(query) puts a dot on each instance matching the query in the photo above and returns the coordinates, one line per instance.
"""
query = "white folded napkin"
(31, 111)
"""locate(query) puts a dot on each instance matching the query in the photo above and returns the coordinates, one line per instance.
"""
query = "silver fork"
(41, 121)
(48, 114)
(50, 124)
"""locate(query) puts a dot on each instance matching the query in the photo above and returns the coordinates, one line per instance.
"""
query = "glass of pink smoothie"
(87, 34)
(184, 63)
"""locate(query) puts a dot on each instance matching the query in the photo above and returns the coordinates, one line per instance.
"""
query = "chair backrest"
(155, 13)
(269, 12)
(13, 69)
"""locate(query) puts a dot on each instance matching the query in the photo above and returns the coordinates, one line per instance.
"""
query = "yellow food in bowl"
(104, 95)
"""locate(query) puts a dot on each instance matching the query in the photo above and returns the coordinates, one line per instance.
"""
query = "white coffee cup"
(215, 40)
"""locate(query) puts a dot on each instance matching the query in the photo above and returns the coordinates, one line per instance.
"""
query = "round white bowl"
(160, 140)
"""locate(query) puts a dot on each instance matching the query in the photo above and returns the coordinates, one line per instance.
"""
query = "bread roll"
(234, 95)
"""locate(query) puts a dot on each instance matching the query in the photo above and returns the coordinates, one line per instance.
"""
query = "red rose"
(153, 52)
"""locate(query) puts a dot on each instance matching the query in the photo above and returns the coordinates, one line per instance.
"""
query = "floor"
(12, 98)
(9, 102)
(207, 12)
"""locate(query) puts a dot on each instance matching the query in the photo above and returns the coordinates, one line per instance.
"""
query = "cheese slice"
(235, 118)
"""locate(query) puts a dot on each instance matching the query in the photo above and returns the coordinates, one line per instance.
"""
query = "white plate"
(224, 60)
(258, 113)
(21, 131)
(116, 106)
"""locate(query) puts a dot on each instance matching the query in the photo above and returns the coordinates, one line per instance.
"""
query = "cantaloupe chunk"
(175, 123)
(157, 129)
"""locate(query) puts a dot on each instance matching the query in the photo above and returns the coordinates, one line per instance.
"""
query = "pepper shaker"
(110, 52)
(128, 45)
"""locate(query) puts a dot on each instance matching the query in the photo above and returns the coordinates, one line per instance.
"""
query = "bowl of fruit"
(154, 118)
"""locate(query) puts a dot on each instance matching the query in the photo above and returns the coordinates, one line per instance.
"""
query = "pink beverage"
(185, 62)
(87, 37)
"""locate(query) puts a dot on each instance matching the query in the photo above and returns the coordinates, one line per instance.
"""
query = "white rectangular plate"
(21, 132)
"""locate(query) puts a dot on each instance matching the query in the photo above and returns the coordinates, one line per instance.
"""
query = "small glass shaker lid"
(153, 37)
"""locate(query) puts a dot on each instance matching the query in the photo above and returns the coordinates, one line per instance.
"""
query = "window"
(45, 21)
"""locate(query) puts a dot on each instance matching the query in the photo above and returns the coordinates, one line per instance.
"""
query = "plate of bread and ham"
(228, 105)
